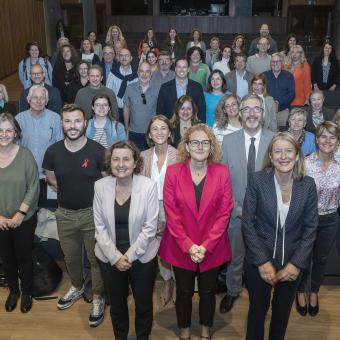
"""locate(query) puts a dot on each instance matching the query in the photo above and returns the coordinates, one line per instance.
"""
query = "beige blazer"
(147, 156)
(142, 220)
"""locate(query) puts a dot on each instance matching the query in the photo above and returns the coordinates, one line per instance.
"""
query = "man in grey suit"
(238, 79)
(243, 153)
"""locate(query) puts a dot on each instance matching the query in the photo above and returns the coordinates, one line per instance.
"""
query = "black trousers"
(142, 278)
(185, 284)
(325, 238)
(259, 302)
(16, 253)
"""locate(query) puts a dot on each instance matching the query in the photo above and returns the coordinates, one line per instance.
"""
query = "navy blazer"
(294, 242)
(167, 98)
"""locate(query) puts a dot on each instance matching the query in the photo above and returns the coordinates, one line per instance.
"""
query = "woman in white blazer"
(125, 213)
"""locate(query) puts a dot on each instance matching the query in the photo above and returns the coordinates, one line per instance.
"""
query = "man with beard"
(140, 103)
(243, 153)
(178, 87)
(264, 33)
(37, 76)
(72, 166)
(164, 74)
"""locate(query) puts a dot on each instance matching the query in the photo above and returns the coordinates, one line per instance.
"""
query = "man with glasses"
(243, 153)
(37, 76)
(85, 96)
(281, 86)
(120, 77)
(140, 102)
(107, 62)
(260, 62)
(164, 74)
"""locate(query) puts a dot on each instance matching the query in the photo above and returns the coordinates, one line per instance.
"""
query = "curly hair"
(303, 59)
(221, 117)
(74, 54)
(191, 50)
(109, 40)
(215, 154)
(123, 144)
(179, 103)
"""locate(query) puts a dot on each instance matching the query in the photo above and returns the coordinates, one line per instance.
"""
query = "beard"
(74, 138)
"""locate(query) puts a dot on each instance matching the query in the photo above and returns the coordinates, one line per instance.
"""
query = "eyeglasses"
(36, 74)
(248, 109)
(143, 97)
(195, 144)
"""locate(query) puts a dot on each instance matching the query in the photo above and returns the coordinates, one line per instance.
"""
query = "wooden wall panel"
(21, 21)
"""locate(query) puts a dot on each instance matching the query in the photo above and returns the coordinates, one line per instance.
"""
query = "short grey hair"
(37, 87)
(251, 96)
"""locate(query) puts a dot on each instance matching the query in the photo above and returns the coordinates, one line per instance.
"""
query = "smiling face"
(226, 53)
(181, 69)
(263, 45)
(257, 86)
(115, 33)
(101, 107)
(67, 54)
(231, 107)
(108, 54)
(316, 101)
(291, 42)
(95, 78)
(185, 112)
(264, 30)
(145, 48)
(83, 69)
(152, 58)
(240, 64)
(159, 132)
(276, 64)
(92, 37)
(144, 73)
(252, 115)
(199, 146)
(87, 46)
(74, 124)
(296, 54)
(327, 142)
(37, 74)
(164, 62)
(297, 122)
(125, 57)
(283, 156)
(195, 57)
(172, 34)
(150, 34)
(7, 133)
(34, 51)
(196, 36)
(122, 163)
(216, 81)
(38, 100)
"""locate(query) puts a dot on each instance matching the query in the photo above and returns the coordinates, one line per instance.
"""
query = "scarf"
(116, 72)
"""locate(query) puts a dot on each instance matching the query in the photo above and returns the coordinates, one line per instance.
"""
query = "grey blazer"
(142, 220)
(231, 80)
(270, 120)
(294, 242)
(234, 156)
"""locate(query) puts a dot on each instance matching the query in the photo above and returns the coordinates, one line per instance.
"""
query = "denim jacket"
(114, 131)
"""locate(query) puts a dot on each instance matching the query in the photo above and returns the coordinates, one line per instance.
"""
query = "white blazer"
(142, 220)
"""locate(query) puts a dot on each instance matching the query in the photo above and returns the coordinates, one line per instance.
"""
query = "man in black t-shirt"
(72, 166)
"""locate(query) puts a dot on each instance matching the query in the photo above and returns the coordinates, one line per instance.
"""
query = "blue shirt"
(181, 89)
(211, 102)
(39, 132)
(108, 68)
(281, 88)
(242, 86)
(308, 146)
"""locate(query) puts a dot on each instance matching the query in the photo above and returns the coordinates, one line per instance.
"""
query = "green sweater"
(19, 182)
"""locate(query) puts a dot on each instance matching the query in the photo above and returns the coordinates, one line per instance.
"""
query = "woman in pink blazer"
(198, 202)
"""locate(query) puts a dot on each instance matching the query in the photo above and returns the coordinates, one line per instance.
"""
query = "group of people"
(177, 168)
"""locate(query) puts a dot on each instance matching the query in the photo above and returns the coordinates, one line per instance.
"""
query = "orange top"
(303, 84)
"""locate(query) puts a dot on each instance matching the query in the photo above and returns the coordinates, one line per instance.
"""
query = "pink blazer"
(186, 226)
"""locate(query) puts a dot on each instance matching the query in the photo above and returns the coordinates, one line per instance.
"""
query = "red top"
(186, 226)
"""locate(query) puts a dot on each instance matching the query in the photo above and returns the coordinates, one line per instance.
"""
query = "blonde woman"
(300, 69)
(113, 35)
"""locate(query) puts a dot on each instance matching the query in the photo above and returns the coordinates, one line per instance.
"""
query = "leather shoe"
(302, 310)
(314, 310)
(227, 303)
(26, 303)
(11, 301)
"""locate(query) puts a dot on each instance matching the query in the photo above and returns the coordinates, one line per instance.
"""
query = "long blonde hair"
(109, 40)
(303, 59)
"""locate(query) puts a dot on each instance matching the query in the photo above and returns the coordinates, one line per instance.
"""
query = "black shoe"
(26, 303)
(227, 303)
(302, 310)
(314, 310)
(11, 301)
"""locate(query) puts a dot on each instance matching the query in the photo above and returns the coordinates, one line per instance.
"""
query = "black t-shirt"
(76, 172)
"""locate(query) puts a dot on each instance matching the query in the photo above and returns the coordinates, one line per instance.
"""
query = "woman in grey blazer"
(125, 210)
(279, 228)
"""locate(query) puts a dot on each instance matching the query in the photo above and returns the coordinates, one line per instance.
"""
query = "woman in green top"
(19, 182)
(198, 71)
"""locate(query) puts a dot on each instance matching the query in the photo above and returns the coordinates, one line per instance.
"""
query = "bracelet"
(22, 212)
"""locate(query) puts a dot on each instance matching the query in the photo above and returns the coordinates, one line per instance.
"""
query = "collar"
(178, 84)
(257, 136)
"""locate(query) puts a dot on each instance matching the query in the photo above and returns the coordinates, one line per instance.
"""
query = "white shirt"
(87, 57)
(247, 142)
(158, 176)
(219, 133)
(222, 65)
(114, 83)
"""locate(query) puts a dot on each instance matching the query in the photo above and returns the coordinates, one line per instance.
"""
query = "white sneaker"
(72, 295)
(97, 312)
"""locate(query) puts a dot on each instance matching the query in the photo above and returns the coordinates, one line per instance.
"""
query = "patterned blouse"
(327, 183)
